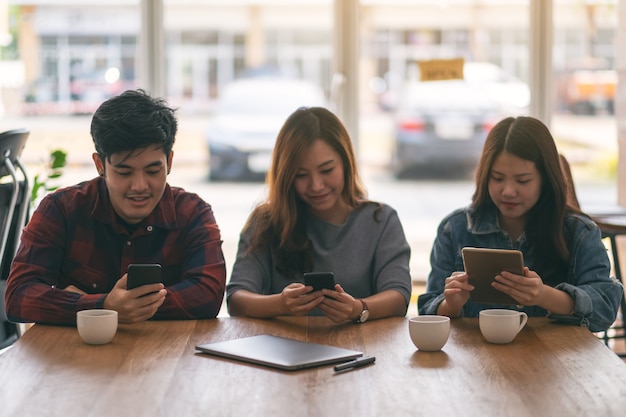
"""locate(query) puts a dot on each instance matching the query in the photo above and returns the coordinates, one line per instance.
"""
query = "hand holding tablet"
(483, 264)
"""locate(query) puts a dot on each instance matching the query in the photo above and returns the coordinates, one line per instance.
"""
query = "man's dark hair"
(133, 120)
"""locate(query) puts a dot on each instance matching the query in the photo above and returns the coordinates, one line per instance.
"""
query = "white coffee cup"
(501, 325)
(429, 333)
(96, 327)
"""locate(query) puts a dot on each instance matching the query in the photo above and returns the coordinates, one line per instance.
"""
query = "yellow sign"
(441, 69)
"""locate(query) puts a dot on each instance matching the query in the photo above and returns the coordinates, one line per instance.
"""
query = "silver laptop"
(279, 352)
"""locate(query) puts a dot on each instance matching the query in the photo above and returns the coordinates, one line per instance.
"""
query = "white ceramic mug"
(429, 333)
(96, 327)
(501, 325)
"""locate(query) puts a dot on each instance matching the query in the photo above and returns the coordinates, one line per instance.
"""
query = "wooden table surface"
(152, 369)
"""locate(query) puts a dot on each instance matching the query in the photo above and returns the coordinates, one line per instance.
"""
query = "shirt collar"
(488, 223)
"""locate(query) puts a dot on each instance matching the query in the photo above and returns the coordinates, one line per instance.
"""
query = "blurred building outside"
(65, 58)
(76, 53)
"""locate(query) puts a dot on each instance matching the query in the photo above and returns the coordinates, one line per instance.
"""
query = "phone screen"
(142, 274)
(319, 280)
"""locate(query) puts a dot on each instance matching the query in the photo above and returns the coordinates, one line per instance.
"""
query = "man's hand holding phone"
(138, 294)
(143, 274)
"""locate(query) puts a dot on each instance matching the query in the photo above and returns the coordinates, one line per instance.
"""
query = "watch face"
(364, 316)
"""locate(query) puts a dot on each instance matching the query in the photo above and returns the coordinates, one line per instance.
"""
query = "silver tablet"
(279, 352)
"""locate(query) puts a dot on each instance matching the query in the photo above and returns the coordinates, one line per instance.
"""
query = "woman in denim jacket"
(520, 203)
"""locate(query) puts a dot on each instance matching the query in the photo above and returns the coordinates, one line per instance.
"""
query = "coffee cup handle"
(523, 319)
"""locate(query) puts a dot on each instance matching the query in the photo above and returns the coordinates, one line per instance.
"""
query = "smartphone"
(143, 274)
(319, 280)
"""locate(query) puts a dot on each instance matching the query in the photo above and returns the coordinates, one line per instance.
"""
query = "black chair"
(14, 211)
(611, 225)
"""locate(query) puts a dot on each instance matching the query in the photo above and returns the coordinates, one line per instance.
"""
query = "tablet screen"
(483, 264)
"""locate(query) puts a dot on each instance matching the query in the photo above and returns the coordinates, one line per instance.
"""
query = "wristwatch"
(365, 313)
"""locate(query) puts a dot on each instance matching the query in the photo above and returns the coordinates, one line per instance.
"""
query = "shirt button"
(128, 243)
(94, 285)
(149, 228)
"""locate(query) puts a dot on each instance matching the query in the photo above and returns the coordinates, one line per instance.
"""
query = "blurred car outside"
(247, 117)
(89, 90)
(442, 125)
(589, 91)
(510, 93)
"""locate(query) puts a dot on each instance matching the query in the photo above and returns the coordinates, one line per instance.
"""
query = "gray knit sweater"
(368, 255)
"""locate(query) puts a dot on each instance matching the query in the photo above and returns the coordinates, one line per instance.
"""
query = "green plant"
(53, 170)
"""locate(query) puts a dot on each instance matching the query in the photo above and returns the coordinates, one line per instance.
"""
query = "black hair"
(530, 139)
(133, 120)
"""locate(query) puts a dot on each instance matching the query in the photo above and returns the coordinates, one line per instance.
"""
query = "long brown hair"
(528, 138)
(278, 222)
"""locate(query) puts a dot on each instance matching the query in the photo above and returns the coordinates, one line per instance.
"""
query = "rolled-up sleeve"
(596, 294)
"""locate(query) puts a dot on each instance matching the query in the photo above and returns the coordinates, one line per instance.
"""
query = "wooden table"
(152, 369)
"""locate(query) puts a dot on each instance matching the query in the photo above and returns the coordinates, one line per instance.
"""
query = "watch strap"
(361, 319)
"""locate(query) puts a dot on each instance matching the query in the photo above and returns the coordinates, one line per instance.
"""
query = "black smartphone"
(319, 280)
(142, 274)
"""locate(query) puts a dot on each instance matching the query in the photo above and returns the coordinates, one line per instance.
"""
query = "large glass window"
(69, 58)
(585, 80)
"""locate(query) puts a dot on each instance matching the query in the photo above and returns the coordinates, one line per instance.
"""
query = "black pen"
(356, 363)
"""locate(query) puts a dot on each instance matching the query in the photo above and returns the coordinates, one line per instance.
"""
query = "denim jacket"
(596, 295)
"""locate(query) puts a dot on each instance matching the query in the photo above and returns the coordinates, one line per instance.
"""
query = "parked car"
(443, 124)
(589, 91)
(248, 115)
(510, 93)
(89, 90)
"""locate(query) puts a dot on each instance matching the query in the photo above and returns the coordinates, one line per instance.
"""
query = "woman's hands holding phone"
(299, 299)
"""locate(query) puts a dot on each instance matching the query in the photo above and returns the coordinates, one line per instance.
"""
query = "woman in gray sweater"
(317, 218)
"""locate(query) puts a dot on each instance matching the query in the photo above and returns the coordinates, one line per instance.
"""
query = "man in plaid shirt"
(75, 251)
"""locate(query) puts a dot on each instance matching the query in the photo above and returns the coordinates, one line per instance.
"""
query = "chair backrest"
(12, 144)
(14, 198)
(14, 210)
(14, 224)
